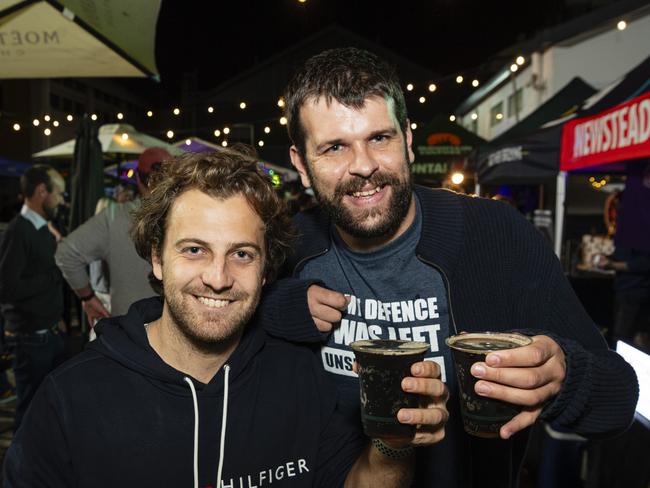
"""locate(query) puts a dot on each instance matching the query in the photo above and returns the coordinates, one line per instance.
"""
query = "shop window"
(496, 114)
(515, 103)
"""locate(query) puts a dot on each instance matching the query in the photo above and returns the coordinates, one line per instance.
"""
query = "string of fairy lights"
(421, 94)
(48, 123)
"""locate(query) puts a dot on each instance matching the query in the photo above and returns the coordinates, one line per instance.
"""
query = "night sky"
(220, 39)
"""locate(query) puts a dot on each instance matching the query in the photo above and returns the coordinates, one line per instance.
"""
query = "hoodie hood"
(124, 339)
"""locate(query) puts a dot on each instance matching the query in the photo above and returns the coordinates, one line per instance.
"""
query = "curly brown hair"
(221, 174)
(348, 75)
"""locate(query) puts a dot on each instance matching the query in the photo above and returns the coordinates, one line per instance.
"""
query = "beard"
(50, 212)
(387, 219)
(215, 331)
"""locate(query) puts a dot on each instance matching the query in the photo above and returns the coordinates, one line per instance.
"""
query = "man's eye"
(193, 250)
(334, 148)
(380, 138)
(243, 255)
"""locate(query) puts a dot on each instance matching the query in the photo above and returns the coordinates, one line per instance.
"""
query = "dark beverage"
(482, 417)
(382, 366)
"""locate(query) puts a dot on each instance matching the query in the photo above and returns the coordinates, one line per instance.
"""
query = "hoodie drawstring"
(222, 445)
(196, 432)
(224, 417)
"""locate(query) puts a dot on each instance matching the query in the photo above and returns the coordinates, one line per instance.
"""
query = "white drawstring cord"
(196, 432)
(226, 370)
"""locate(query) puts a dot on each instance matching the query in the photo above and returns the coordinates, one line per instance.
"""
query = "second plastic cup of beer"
(482, 417)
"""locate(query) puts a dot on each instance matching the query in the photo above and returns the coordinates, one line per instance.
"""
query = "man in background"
(106, 237)
(31, 296)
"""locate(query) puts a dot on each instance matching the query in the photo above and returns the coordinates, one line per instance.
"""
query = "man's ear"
(409, 141)
(156, 264)
(301, 166)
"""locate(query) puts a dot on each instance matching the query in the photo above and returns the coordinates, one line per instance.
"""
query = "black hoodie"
(117, 415)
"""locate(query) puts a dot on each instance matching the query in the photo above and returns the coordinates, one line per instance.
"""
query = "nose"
(364, 163)
(217, 275)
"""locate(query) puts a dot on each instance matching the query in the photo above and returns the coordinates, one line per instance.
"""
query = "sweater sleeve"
(39, 453)
(599, 393)
(15, 285)
(87, 243)
(284, 312)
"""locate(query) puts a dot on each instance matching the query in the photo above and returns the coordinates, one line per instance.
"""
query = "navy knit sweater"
(30, 283)
(500, 275)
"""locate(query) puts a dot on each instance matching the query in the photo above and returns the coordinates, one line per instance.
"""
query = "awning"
(527, 160)
(618, 134)
(612, 126)
(526, 154)
(77, 38)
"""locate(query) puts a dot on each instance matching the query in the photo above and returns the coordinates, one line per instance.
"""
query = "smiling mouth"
(212, 302)
(367, 193)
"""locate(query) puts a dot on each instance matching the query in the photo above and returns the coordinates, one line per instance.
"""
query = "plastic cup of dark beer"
(482, 417)
(382, 366)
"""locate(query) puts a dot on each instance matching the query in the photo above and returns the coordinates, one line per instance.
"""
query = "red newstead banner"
(618, 134)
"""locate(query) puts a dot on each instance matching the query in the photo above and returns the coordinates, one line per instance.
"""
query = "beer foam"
(486, 342)
(389, 347)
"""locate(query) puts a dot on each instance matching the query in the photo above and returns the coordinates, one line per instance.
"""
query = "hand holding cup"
(402, 397)
(528, 376)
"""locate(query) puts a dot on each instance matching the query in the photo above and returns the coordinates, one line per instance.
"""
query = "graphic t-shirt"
(393, 295)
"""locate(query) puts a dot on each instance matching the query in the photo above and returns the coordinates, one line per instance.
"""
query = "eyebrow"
(201, 242)
(388, 130)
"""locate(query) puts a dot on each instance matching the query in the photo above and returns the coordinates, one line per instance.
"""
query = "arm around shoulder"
(284, 311)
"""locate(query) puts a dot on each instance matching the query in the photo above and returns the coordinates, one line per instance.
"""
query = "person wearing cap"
(106, 237)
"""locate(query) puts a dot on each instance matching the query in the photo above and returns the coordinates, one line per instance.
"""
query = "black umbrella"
(87, 185)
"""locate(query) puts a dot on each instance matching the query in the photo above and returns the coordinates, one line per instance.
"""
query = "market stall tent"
(440, 147)
(196, 144)
(114, 139)
(610, 128)
(192, 144)
(528, 153)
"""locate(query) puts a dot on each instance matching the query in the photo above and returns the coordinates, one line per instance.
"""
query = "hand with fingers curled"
(326, 307)
(530, 376)
(431, 417)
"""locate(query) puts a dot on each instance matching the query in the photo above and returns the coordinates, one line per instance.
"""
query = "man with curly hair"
(190, 390)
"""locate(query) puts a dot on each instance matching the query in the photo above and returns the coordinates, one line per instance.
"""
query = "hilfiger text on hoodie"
(283, 472)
